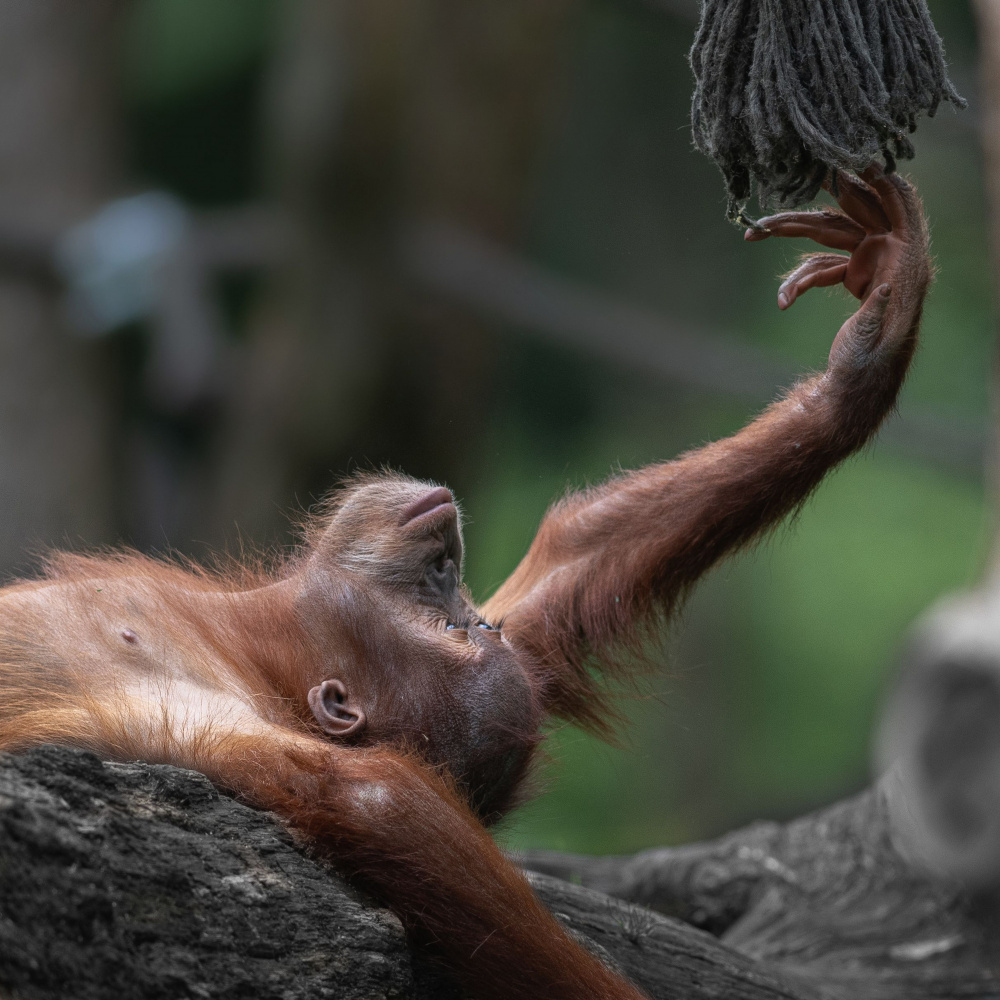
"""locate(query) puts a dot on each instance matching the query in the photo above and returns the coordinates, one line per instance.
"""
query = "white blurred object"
(114, 262)
(940, 740)
(137, 260)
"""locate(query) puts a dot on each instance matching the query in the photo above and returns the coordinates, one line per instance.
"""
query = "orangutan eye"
(486, 626)
(451, 626)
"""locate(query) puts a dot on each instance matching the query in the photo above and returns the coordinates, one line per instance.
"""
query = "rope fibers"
(787, 89)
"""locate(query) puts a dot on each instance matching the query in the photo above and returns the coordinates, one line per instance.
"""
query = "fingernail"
(782, 300)
(885, 291)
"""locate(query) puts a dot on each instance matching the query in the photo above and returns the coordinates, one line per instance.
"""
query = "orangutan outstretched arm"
(605, 561)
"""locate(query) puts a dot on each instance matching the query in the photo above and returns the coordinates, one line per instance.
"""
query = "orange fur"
(355, 689)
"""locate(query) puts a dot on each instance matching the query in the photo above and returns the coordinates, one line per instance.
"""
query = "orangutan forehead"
(379, 485)
(370, 488)
(366, 503)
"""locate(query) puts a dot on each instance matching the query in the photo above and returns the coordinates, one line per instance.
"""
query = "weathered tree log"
(142, 880)
(133, 880)
(829, 902)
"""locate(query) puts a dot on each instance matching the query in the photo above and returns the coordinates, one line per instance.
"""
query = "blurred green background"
(563, 137)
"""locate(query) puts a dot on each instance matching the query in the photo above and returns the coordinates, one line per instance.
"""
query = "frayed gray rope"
(787, 89)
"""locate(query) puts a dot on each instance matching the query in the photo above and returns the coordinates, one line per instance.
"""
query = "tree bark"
(828, 903)
(143, 880)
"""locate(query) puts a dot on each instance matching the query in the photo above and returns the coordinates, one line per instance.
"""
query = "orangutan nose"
(437, 497)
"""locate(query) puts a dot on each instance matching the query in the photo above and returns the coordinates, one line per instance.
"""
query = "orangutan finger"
(859, 201)
(826, 226)
(817, 271)
(898, 198)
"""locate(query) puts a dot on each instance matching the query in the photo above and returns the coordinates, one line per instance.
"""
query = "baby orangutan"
(359, 692)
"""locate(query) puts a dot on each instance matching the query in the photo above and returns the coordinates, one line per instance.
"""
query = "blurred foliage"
(767, 699)
(176, 48)
(806, 627)
(192, 81)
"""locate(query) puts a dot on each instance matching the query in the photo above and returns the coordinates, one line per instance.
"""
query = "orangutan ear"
(336, 712)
